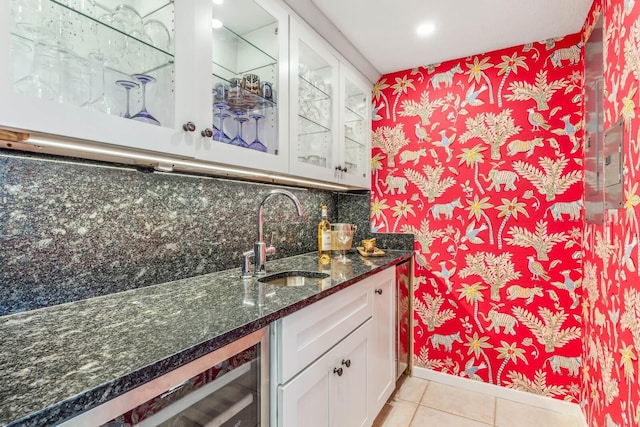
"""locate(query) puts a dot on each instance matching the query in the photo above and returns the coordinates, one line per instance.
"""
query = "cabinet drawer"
(306, 334)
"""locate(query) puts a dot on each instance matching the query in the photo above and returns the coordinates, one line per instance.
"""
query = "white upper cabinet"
(355, 130)
(108, 71)
(247, 89)
(330, 115)
(239, 82)
(314, 101)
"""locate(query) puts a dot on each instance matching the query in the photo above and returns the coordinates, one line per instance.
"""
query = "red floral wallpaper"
(611, 303)
(480, 158)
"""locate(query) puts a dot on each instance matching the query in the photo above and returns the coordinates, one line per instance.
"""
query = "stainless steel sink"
(295, 278)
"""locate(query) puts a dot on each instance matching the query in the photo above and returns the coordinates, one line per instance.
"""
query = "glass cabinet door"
(249, 50)
(356, 119)
(314, 132)
(112, 57)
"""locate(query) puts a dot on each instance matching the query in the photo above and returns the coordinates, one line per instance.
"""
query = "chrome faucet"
(260, 249)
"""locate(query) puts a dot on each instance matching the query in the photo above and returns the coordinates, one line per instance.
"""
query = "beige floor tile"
(458, 401)
(412, 389)
(401, 414)
(429, 417)
(510, 414)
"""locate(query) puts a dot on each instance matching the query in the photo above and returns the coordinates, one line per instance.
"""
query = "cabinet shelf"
(352, 116)
(235, 55)
(310, 92)
(307, 126)
(146, 9)
(82, 34)
(353, 144)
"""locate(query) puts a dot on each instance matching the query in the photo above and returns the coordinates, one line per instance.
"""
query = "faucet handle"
(271, 250)
(246, 264)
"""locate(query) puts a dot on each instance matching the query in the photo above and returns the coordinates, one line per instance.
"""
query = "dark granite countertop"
(60, 361)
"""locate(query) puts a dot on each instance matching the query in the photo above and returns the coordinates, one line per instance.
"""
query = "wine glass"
(256, 144)
(238, 140)
(29, 16)
(343, 237)
(126, 19)
(101, 102)
(34, 84)
(219, 134)
(127, 85)
(158, 34)
(143, 115)
(21, 57)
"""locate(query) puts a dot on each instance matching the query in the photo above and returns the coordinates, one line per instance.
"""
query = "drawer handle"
(346, 363)
(189, 127)
(337, 371)
(379, 291)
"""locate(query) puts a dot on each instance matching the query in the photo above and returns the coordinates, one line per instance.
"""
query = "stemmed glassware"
(256, 144)
(219, 134)
(29, 17)
(143, 115)
(102, 102)
(127, 85)
(343, 237)
(34, 84)
(238, 140)
(343, 234)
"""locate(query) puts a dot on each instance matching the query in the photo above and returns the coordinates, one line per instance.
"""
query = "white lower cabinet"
(343, 345)
(382, 376)
(332, 391)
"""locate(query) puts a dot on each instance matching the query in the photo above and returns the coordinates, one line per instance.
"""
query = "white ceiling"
(384, 31)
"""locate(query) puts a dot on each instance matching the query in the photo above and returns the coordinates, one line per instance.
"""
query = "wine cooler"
(227, 387)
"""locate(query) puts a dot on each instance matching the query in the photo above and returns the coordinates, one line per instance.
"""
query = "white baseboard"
(531, 399)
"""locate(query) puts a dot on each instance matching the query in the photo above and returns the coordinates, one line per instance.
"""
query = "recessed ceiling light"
(218, 1)
(216, 23)
(425, 29)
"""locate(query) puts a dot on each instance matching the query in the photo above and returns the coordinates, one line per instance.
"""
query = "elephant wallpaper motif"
(610, 306)
(481, 159)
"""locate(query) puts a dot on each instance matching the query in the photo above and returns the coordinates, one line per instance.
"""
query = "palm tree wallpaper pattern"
(610, 305)
(473, 157)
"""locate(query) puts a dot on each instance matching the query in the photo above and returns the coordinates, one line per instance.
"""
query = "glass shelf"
(158, 11)
(146, 9)
(310, 92)
(353, 144)
(307, 126)
(352, 116)
(234, 55)
(129, 54)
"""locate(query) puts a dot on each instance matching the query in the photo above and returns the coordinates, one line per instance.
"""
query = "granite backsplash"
(72, 229)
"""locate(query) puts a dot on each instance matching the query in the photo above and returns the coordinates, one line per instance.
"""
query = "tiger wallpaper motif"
(610, 305)
(481, 159)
